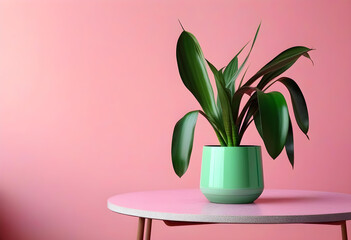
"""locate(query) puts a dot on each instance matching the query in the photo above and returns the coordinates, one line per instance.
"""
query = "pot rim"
(240, 146)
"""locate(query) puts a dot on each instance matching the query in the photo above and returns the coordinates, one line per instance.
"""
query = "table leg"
(140, 234)
(148, 229)
(343, 230)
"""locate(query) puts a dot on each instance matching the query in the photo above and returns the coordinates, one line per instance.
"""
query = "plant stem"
(234, 135)
(220, 136)
(242, 130)
(220, 139)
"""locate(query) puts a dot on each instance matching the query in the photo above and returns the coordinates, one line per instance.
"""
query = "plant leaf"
(224, 96)
(245, 109)
(182, 142)
(183, 137)
(220, 135)
(289, 145)
(285, 58)
(237, 99)
(231, 84)
(242, 78)
(192, 70)
(217, 77)
(272, 121)
(298, 102)
(217, 74)
(270, 76)
(218, 102)
(230, 70)
(251, 109)
(309, 57)
(232, 67)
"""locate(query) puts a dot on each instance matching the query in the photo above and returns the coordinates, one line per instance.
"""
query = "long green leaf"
(192, 70)
(217, 76)
(182, 142)
(298, 102)
(270, 76)
(218, 102)
(283, 59)
(242, 78)
(224, 97)
(230, 71)
(272, 121)
(183, 137)
(231, 84)
(289, 145)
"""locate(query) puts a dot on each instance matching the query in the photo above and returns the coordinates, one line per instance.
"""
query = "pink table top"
(274, 206)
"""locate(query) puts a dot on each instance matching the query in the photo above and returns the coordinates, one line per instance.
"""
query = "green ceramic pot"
(231, 174)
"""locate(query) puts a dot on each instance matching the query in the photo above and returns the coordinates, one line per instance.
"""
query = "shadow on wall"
(8, 224)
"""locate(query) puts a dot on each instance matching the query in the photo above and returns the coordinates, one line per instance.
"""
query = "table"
(189, 207)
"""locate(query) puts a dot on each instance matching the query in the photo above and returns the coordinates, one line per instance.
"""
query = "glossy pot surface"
(231, 174)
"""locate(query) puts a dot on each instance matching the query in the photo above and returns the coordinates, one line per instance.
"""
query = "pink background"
(90, 93)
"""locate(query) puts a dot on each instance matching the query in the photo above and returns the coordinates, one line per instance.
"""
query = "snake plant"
(268, 110)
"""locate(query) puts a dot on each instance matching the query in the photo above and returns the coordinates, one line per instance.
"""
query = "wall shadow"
(8, 229)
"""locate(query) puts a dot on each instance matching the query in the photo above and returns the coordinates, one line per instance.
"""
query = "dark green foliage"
(268, 109)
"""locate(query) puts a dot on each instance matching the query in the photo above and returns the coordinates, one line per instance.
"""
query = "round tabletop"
(273, 206)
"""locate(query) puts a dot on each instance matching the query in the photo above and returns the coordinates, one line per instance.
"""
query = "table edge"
(317, 218)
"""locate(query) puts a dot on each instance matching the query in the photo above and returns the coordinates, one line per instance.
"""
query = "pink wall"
(90, 93)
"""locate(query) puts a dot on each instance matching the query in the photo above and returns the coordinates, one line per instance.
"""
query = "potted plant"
(232, 173)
